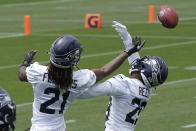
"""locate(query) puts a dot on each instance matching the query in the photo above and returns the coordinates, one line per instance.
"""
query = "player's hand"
(29, 57)
(123, 33)
(137, 45)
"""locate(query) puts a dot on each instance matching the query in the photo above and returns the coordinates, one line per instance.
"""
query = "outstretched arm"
(102, 89)
(127, 40)
(27, 61)
(135, 55)
(110, 67)
(116, 62)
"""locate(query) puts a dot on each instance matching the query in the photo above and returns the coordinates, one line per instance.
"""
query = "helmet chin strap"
(132, 70)
(146, 82)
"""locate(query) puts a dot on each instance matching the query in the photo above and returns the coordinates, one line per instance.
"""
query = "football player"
(56, 86)
(7, 111)
(129, 95)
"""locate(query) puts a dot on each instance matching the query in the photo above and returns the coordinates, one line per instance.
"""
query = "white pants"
(107, 128)
(47, 128)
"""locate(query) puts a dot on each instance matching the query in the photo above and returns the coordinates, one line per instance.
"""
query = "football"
(167, 16)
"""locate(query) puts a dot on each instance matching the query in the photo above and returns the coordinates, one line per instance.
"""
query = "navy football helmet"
(65, 52)
(153, 70)
(7, 110)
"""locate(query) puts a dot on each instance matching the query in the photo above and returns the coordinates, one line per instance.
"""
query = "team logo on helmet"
(65, 52)
(153, 70)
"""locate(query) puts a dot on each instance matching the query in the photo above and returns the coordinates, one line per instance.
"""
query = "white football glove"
(124, 34)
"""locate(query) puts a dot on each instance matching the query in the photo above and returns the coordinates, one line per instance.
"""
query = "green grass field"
(170, 109)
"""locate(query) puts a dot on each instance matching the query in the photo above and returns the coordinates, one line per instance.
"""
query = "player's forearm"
(87, 95)
(133, 57)
(27, 61)
(114, 64)
(102, 89)
(110, 67)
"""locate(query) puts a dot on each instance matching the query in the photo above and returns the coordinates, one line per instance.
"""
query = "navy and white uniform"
(51, 103)
(128, 97)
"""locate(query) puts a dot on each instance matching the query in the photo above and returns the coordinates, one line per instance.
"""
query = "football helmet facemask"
(7, 110)
(65, 52)
(152, 69)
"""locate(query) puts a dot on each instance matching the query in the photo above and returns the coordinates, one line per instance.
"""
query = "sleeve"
(102, 89)
(32, 73)
(133, 57)
(111, 87)
(91, 78)
(83, 79)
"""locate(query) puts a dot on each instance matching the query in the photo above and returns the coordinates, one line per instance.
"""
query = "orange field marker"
(93, 21)
(151, 14)
(27, 25)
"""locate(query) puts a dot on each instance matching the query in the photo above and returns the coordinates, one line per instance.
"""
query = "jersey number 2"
(44, 106)
(140, 106)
